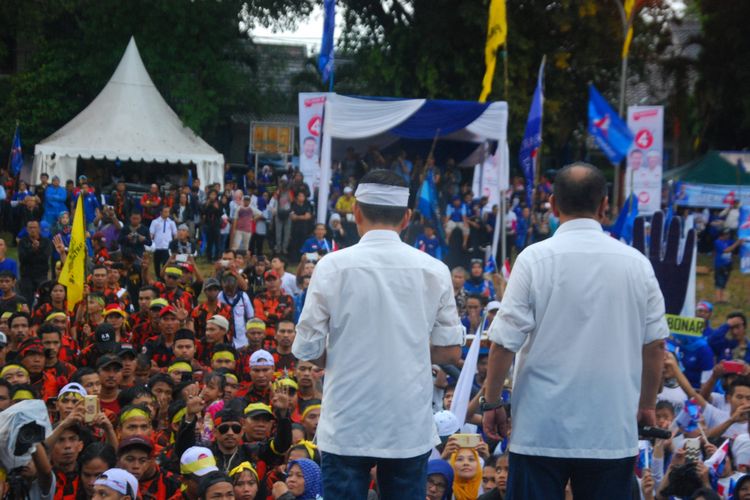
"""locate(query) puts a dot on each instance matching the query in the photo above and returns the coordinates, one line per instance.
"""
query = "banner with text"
(491, 178)
(709, 195)
(311, 106)
(681, 325)
(743, 231)
(644, 164)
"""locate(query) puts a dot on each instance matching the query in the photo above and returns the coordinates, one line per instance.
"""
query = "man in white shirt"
(376, 316)
(163, 230)
(584, 317)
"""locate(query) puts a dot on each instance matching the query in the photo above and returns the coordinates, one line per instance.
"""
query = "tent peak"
(131, 70)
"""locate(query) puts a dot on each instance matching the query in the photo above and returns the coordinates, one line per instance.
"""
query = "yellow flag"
(73, 274)
(497, 32)
(628, 5)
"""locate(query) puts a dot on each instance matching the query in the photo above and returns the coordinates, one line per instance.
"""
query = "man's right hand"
(495, 423)
(741, 413)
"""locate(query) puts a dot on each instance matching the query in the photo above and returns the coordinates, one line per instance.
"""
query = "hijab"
(466, 489)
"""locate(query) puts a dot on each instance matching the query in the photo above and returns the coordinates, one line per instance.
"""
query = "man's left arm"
(447, 333)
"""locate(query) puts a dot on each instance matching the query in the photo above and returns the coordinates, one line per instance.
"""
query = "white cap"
(119, 480)
(262, 358)
(741, 450)
(493, 305)
(219, 320)
(74, 388)
(446, 422)
(197, 460)
(348, 190)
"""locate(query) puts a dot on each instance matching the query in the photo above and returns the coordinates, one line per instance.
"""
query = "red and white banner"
(645, 158)
(310, 128)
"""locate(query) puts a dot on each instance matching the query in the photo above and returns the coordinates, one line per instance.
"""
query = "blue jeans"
(545, 478)
(348, 478)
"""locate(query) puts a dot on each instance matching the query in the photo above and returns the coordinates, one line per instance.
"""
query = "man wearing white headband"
(378, 314)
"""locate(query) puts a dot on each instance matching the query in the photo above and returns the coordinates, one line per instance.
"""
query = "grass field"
(738, 287)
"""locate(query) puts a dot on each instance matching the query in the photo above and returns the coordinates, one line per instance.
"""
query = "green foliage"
(722, 99)
(195, 52)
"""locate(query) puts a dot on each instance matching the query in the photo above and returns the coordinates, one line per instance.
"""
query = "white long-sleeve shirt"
(578, 309)
(375, 308)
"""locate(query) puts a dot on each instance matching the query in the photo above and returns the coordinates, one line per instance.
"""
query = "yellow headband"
(243, 467)
(173, 270)
(257, 323)
(309, 446)
(178, 416)
(8, 368)
(197, 465)
(134, 412)
(180, 366)
(223, 355)
(22, 394)
(232, 377)
(286, 382)
(258, 406)
(56, 315)
(309, 409)
(76, 395)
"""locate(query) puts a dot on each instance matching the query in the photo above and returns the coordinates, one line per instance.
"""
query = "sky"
(308, 32)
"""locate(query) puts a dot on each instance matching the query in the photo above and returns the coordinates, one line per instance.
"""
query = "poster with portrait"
(311, 106)
(645, 158)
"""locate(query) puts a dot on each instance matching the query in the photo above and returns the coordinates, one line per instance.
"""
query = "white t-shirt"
(376, 308)
(578, 309)
(714, 417)
(289, 284)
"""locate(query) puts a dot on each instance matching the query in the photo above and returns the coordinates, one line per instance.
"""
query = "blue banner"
(16, 154)
(611, 133)
(687, 194)
(743, 231)
(325, 60)
(532, 137)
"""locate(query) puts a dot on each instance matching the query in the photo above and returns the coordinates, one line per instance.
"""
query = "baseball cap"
(167, 310)
(114, 309)
(119, 480)
(135, 442)
(219, 320)
(255, 409)
(198, 461)
(348, 190)
(261, 358)
(446, 422)
(211, 283)
(105, 335)
(158, 303)
(271, 274)
(72, 388)
(493, 305)
(127, 350)
(108, 359)
(30, 346)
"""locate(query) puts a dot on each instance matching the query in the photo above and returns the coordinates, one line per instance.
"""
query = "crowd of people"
(185, 333)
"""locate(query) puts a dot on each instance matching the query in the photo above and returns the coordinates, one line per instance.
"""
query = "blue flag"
(611, 133)
(623, 226)
(532, 137)
(325, 60)
(16, 154)
(427, 204)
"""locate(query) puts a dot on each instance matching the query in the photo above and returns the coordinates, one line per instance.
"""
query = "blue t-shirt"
(722, 259)
(312, 245)
(456, 214)
(430, 246)
(696, 357)
(9, 265)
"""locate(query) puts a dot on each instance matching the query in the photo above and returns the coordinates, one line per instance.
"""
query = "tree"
(722, 102)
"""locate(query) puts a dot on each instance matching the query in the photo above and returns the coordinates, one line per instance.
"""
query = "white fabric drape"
(493, 123)
(462, 394)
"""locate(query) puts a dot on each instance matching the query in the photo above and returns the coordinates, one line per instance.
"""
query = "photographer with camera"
(34, 480)
(134, 237)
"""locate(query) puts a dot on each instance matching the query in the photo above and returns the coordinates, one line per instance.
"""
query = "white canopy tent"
(128, 120)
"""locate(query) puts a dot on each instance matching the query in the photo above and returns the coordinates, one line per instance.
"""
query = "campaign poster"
(311, 106)
(644, 163)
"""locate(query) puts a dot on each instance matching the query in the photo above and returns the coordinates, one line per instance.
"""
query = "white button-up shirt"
(162, 232)
(578, 309)
(376, 307)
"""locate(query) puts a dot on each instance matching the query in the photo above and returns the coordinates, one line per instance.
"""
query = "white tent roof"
(128, 120)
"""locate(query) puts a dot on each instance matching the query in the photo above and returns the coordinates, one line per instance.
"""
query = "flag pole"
(538, 158)
(623, 77)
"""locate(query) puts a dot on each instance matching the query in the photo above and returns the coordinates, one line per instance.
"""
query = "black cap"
(108, 359)
(105, 334)
(135, 442)
(127, 350)
(184, 334)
